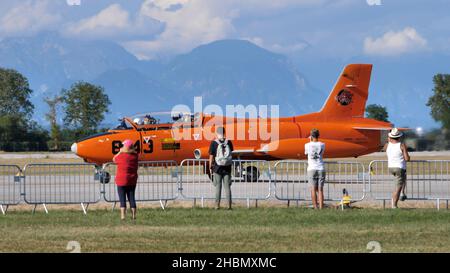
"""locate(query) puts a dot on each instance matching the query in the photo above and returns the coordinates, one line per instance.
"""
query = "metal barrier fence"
(157, 181)
(66, 183)
(426, 180)
(291, 180)
(250, 180)
(61, 183)
(9, 186)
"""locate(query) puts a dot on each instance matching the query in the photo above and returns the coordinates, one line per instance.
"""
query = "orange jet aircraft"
(343, 129)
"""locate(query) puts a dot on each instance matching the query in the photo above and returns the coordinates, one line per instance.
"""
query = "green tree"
(15, 94)
(52, 117)
(12, 130)
(439, 102)
(377, 112)
(85, 106)
(17, 131)
(36, 137)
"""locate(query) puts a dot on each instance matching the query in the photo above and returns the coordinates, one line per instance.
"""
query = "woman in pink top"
(126, 177)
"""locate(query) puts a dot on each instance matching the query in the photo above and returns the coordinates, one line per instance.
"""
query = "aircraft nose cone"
(73, 148)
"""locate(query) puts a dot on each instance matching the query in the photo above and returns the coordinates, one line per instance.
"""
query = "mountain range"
(222, 72)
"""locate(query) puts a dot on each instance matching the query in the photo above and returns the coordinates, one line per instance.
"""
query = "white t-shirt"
(315, 150)
(395, 156)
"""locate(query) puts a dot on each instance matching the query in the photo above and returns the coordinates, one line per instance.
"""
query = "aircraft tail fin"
(349, 95)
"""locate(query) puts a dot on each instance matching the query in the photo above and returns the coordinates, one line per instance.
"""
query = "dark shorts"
(127, 192)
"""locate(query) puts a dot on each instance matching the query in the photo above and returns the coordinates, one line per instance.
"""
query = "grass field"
(264, 229)
(240, 230)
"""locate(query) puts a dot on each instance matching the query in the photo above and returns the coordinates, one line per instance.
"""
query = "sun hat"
(395, 133)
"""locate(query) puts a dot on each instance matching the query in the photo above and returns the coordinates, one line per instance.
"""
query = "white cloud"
(27, 18)
(189, 23)
(114, 22)
(395, 43)
(161, 28)
(111, 17)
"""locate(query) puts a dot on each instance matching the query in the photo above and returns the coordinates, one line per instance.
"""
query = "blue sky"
(320, 36)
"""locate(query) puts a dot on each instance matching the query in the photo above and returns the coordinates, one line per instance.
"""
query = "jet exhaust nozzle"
(197, 154)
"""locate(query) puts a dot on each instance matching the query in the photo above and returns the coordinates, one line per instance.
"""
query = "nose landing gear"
(241, 173)
(248, 174)
(103, 177)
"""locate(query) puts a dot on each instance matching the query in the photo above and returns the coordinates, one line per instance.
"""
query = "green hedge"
(63, 145)
(30, 146)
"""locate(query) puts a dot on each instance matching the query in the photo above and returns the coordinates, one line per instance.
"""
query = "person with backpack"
(220, 162)
(316, 171)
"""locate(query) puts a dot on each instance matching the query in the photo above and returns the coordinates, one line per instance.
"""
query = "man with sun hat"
(397, 154)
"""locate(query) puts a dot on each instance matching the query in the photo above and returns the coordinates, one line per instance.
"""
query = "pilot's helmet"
(137, 120)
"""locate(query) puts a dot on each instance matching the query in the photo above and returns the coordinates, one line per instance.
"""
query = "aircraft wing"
(373, 128)
(243, 150)
(203, 152)
(380, 128)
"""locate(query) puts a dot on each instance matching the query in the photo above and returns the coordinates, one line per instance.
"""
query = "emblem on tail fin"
(344, 97)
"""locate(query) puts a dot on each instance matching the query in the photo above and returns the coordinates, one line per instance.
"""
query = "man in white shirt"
(397, 154)
(316, 171)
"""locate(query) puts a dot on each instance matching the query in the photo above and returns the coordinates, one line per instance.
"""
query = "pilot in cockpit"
(138, 121)
(149, 120)
(123, 125)
(176, 117)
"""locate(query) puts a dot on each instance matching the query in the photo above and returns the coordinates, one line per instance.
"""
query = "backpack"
(223, 154)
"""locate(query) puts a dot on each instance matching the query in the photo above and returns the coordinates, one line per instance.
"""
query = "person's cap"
(395, 133)
(315, 133)
(127, 143)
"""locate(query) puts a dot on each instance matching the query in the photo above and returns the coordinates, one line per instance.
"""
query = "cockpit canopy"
(158, 119)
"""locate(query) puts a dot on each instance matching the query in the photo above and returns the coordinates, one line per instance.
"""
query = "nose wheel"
(249, 173)
(104, 177)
